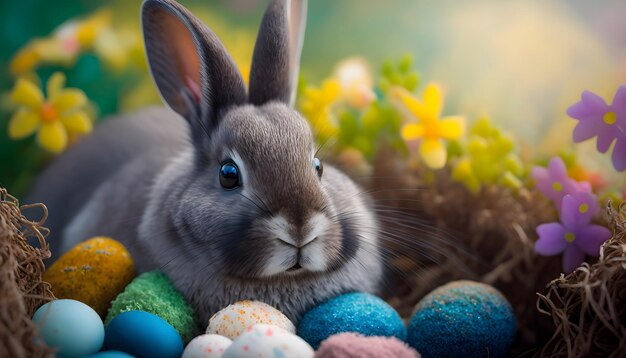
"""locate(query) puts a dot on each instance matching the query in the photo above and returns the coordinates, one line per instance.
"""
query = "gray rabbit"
(224, 193)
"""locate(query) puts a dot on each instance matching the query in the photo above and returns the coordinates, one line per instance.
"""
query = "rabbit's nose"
(298, 244)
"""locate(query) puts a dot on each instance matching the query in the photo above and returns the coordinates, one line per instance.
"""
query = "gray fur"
(141, 181)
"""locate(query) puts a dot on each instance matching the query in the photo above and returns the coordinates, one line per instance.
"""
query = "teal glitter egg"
(353, 312)
(462, 319)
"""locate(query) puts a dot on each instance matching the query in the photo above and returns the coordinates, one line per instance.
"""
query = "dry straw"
(21, 287)
(588, 306)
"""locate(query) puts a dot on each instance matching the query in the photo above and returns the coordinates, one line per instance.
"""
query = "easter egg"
(353, 312)
(207, 346)
(71, 327)
(153, 292)
(238, 317)
(93, 272)
(143, 334)
(266, 340)
(356, 345)
(463, 319)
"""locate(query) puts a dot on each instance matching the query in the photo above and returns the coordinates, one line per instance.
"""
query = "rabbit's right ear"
(192, 70)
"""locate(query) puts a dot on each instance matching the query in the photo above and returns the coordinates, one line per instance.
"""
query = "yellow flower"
(70, 39)
(316, 104)
(430, 130)
(52, 118)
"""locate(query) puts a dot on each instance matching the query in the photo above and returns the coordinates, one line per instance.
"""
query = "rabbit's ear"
(192, 70)
(276, 59)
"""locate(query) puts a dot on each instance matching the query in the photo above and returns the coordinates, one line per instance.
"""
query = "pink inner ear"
(194, 87)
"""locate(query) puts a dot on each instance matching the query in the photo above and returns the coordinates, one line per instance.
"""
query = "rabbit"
(221, 191)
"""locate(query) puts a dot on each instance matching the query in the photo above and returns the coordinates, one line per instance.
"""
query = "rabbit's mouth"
(295, 268)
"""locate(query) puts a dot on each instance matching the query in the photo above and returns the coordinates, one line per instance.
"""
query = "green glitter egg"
(153, 292)
(462, 319)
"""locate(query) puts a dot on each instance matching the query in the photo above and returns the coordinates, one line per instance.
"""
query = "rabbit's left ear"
(276, 59)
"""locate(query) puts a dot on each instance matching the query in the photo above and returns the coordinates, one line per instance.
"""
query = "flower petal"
(77, 122)
(619, 154)
(412, 131)
(27, 93)
(67, 99)
(55, 83)
(52, 137)
(606, 135)
(23, 123)
(590, 238)
(433, 100)
(434, 153)
(578, 209)
(585, 130)
(594, 103)
(619, 103)
(551, 239)
(417, 108)
(572, 258)
(557, 169)
(452, 127)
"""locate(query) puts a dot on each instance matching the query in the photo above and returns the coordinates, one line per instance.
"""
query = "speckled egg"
(93, 272)
(238, 317)
(352, 312)
(463, 319)
(266, 340)
(143, 334)
(72, 327)
(207, 346)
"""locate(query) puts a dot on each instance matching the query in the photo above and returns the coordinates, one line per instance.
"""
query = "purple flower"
(574, 235)
(607, 122)
(554, 183)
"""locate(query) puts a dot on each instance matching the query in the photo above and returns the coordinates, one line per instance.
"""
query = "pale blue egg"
(70, 326)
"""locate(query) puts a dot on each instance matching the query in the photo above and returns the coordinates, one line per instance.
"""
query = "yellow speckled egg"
(235, 319)
(93, 272)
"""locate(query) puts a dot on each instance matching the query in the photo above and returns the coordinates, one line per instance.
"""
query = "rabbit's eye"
(229, 175)
(319, 168)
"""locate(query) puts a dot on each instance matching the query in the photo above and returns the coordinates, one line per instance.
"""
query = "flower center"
(609, 117)
(569, 237)
(583, 208)
(48, 113)
(557, 186)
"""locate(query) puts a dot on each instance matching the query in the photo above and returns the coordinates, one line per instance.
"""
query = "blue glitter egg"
(462, 319)
(353, 312)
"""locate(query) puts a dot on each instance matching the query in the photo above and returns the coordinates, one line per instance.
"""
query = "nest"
(437, 231)
(22, 290)
(588, 306)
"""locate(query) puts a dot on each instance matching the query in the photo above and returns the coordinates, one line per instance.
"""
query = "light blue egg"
(143, 334)
(70, 326)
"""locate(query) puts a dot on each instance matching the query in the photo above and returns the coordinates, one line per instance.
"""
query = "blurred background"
(521, 62)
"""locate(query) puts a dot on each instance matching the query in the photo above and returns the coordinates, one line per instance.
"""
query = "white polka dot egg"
(265, 340)
(207, 346)
(235, 319)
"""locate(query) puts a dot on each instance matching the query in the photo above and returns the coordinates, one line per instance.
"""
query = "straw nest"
(22, 290)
